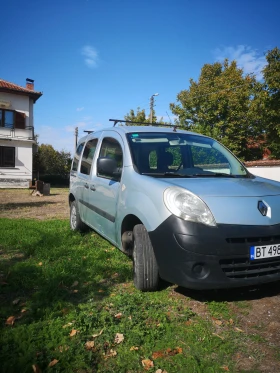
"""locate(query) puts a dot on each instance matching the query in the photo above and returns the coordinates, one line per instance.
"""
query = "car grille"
(244, 268)
(256, 240)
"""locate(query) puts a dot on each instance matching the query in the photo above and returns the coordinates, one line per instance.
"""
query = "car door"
(103, 192)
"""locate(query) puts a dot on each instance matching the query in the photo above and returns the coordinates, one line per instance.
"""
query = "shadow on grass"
(233, 294)
(19, 205)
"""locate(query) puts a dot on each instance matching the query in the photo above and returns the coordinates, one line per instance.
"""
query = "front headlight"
(187, 206)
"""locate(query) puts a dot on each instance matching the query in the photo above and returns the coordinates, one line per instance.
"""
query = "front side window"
(7, 156)
(183, 155)
(111, 148)
(88, 155)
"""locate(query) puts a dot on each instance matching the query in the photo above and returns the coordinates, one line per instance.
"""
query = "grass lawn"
(68, 304)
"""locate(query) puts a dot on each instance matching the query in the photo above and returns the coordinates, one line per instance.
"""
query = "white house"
(16, 133)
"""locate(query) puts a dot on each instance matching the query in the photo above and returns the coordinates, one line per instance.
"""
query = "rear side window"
(77, 157)
(88, 155)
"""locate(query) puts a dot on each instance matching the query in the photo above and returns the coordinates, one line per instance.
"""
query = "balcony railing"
(9, 132)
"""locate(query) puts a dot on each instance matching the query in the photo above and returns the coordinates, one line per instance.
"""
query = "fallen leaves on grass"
(147, 364)
(189, 322)
(134, 348)
(118, 315)
(69, 324)
(73, 332)
(98, 334)
(53, 362)
(16, 301)
(110, 353)
(75, 283)
(219, 336)
(160, 371)
(225, 367)
(10, 320)
(89, 345)
(63, 348)
(36, 368)
(119, 338)
(216, 321)
(239, 330)
(167, 352)
(40, 264)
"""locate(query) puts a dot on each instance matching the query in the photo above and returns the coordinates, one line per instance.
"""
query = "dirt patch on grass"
(19, 203)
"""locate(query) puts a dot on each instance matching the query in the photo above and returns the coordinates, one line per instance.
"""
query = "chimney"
(30, 84)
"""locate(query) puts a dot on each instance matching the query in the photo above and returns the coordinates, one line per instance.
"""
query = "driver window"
(110, 148)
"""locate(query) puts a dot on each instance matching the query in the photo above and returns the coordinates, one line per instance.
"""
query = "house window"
(6, 118)
(7, 156)
(12, 119)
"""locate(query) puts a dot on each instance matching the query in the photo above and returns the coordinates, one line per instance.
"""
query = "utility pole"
(152, 101)
(76, 137)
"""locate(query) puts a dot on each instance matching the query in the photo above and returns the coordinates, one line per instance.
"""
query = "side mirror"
(108, 167)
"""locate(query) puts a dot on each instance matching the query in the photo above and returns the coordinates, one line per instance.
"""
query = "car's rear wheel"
(76, 223)
(145, 268)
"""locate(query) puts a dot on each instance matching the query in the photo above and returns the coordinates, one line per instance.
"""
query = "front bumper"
(197, 256)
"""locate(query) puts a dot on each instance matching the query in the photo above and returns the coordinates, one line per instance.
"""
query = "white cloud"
(80, 108)
(249, 59)
(91, 56)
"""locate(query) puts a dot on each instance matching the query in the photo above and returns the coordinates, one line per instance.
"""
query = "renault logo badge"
(263, 208)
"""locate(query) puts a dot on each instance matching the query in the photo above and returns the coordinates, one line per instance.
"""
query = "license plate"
(262, 252)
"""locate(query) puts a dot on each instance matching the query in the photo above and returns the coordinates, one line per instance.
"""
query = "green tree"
(271, 74)
(48, 161)
(140, 117)
(223, 104)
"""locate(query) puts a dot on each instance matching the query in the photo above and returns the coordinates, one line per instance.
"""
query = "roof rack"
(88, 132)
(116, 121)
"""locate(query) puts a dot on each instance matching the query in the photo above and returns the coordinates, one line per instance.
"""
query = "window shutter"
(20, 120)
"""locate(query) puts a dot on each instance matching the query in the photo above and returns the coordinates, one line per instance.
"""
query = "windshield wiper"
(165, 174)
(216, 174)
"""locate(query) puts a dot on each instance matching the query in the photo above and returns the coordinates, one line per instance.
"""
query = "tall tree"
(221, 104)
(271, 74)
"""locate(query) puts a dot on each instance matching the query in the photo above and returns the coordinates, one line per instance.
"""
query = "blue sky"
(97, 59)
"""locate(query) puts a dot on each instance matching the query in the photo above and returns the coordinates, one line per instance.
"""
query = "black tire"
(145, 268)
(76, 224)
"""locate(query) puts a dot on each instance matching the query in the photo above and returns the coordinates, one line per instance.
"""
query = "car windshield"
(162, 154)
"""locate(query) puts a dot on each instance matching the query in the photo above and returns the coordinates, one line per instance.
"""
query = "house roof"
(17, 89)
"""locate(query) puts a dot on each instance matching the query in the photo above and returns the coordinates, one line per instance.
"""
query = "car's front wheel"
(76, 223)
(145, 268)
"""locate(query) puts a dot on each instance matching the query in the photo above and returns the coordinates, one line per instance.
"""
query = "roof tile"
(17, 88)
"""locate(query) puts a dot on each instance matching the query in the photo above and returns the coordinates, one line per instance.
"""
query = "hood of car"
(237, 201)
(228, 187)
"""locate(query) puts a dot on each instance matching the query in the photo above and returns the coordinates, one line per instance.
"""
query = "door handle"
(92, 187)
(86, 185)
